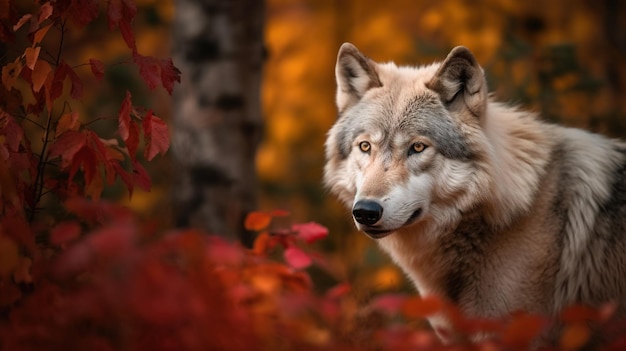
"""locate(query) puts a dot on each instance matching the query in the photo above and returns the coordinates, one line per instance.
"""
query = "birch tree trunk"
(218, 46)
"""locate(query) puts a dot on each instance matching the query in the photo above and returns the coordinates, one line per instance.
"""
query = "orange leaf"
(256, 221)
(32, 54)
(261, 243)
(40, 74)
(40, 33)
(68, 121)
(419, 307)
(522, 330)
(21, 22)
(44, 12)
(11, 72)
(575, 336)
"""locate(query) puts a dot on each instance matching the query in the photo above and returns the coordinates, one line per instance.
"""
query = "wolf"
(480, 203)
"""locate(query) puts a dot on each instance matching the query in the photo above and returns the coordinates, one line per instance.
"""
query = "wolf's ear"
(355, 75)
(460, 81)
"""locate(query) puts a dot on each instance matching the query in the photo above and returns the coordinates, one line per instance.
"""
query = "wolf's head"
(407, 146)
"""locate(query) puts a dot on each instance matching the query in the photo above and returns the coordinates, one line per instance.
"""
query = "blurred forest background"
(566, 59)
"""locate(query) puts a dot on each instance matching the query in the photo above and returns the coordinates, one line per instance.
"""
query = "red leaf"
(389, 303)
(11, 130)
(87, 160)
(127, 33)
(65, 232)
(114, 13)
(124, 117)
(142, 179)
(297, 258)
(338, 291)
(67, 145)
(419, 307)
(84, 12)
(132, 142)
(149, 69)
(157, 136)
(522, 330)
(169, 75)
(127, 178)
(97, 68)
(57, 82)
(77, 84)
(310, 232)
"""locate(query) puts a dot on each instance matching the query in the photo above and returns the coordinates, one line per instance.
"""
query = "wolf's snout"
(367, 212)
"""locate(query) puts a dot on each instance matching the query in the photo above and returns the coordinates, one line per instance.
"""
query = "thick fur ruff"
(478, 202)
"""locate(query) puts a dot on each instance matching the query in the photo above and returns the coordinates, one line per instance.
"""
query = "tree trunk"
(218, 46)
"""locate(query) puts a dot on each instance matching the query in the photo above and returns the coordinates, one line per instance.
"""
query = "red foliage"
(94, 278)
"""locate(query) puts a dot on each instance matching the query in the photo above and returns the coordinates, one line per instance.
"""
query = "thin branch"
(31, 121)
(43, 159)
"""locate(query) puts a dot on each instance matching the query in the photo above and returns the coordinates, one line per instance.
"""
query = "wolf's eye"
(416, 148)
(365, 146)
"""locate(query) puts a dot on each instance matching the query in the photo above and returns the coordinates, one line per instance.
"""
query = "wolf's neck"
(520, 149)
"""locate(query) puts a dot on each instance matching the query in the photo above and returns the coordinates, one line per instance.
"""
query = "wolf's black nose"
(367, 212)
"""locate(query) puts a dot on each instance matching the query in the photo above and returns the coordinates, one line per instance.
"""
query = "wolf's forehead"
(403, 118)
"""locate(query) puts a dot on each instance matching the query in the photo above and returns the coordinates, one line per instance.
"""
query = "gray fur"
(501, 212)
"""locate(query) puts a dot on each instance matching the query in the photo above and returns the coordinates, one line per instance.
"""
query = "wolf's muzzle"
(367, 212)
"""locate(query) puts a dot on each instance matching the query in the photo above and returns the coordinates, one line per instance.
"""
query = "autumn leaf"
(420, 307)
(157, 136)
(10, 72)
(127, 33)
(68, 121)
(261, 243)
(65, 232)
(9, 255)
(84, 12)
(13, 132)
(389, 303)
(169, 75)
(522, 330)
(21, 22)
(141, 177)
(256, 221)
(574, 336)
(297, 258)
(77, 84)
(67, 145)
(132, 142)
(124, 117)
(149, 69)
(31, 55)
(40, 74)
(40, 33)
(310, 232)
(45, 11)
(94, 186)
(97, 68)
